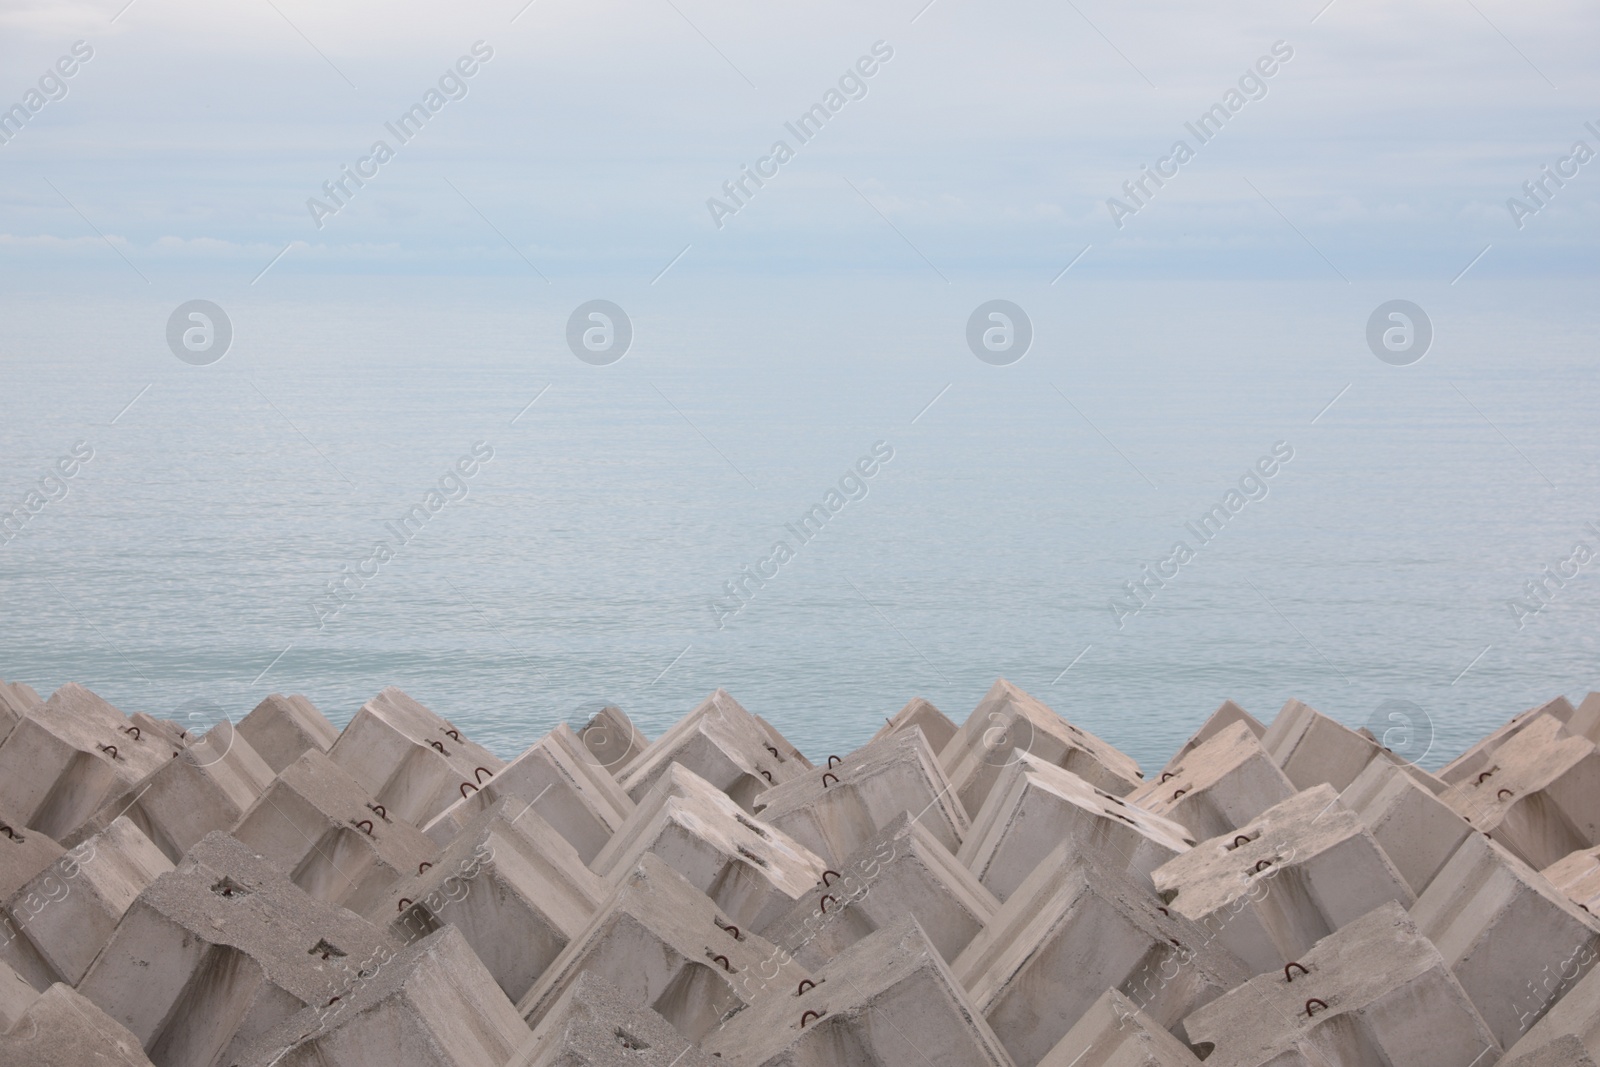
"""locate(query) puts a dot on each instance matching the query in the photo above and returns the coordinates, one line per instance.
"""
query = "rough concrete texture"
(1007, 719)
(902, 869)
(1566, 1051)
(559, 776)
(752, 872)
(1035, 805)
(1416, 830)
(15, 701)
(920, 714)
(1386, 997)
(1577, 877)
(612, 740)
(1501, 926)
(722, 743)
(281, 729)
(668, 947)
(1284, 881)
(413, 762)
(62, 1029)
(834, 811)
(1225, 716)
(24, 855)
(1115, 1033)
(1313, 749)
(317, 824)
(889, 1000)
(1226, 781)
(1567, 1002)
(595, 1025)
(1585, 719)
(1476, 758)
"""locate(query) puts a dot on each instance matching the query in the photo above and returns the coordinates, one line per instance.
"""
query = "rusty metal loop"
(405, 902)
(734, 930)
(832, 758)
(382, 812)
(1165, 912)
(767, 775)
(805, 984)
(1165, 775)
(9, 832)
(823, 903)
(423, 866)
(1314, 1000)
(481, 770)
(134, 730)
(1262, 865)
(1176, 793)
(1287, 977)
(1482, 776)
(720, 958)
(367, 823)
(1504, 792)
(825, 874)
(453, 735)
(808, 1016)
(772, 750)
(826, 775)
(1242, 839)
(111, 749)
(466, 786)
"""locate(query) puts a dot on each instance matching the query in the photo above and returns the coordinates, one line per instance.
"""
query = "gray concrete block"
(283, 728)
(1313, 749)
(16, 700)
(594, 1025)
(1577, 877)
(1565, 1051)
(63, 1029)
(1562, 999)
(1416, 830)
(1477, 758)
(724, 744)
(1119, 1035)
(920, 714)
(612, 740)
(24, 854)
(1225, 716)
(1226, 781)
(15, 996)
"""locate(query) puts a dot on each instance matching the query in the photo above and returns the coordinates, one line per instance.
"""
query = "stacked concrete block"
(281, 729)
(889, 1000)
(1566, 1000)
(1284, 881)
(1072, 931)
(920, 714)
(24, 855)
(1539, 794)
(16, 993)
(1035, 805)
(1226, 781)
(321, 828)
(901, 870)
(1577, 877)
(612, 740)
(1501, 927)
(1119, 1035)
(560, 778)
(1225, 716)
(724, 744)
(834, 811)
(218, 951)
(1375, 992)
(16, 699)
(754, 873)
(1008, 719)
(781, 743)
(669, 948)
(1416, 830)
(430, 1004)
(1477, 758)
(595, 1025)
(412, 761)
(514, 888)
(1313, 749)
(1584, 721)
(60, 1028)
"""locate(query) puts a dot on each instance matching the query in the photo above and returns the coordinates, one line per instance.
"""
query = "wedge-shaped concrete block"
(901, 870)
(1501, 926)
(1119, 1035)
(62, 1029)
(594, 1025)
(1539, 795)
(889, 1000)
(69, 910)
(1477, 758)
(1313, 749)
(1225, 782)
(16, 700)
(24, 855)
(1416, 830)
(514, 888)
(67, 755)
(281, 729)
(834, 812)
(1284, 881)
(1566, 1001)
(1577, 877)
(1584, 721)
(1072, 931)
(724, 744)
(754, 873)
(15, 996)
(920, 714)
(567, 788)
(412, 761)
(1567, 1051)
(320, 827)
(1007, 719)
(1225, 716)
(218, 951)
(1376, 992)
(612, 740)
(1034, 806)
(781, 743)
(431, 1005)
(667, 947)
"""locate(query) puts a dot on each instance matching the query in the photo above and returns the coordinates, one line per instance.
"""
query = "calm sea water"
(187, 569)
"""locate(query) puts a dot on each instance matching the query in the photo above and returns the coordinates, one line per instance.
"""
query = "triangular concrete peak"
(888, 1000)
(1313, 749)
(1416, 830)
(1577, 877)
(1035, 805)
(594, 1025)
(920, 714)
(1375, 992)
(282, 728)
(1120, 1035)
(1585, 718)
(1476, 759)
(1226, 715)
(781, 743)
(902, 869)
(834, 811)
(724, 744)
(63, 1029)
(1225, 782)
(668, 947)
(612, 740)
(16, 700)
(752, 872)
(1007, 719)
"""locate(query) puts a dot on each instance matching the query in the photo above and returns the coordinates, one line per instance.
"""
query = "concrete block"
(1584, 721)
(889, 1000)
(219, 950)
(669, 948)
(1007, 719)
(567, 788)
(1565, 998)
(412, 761)
(431, 1004)
(1226, 781)
(1565, 1051)
(1284, 881)
(281, 729)
(1477, 758)
(15, 996)
(514, 888)
(834, 811)
(1034, 806)
(318, 825)
(901, 870)
(1313, 749)
(754, 873)
(1070, 932)
(781, 743)
(1225, 716)
(612, 740)
(724, 744)
(920, 714)
(1501, 926)
(1577, 877)
(1120, 1035)
(1416, 830)
(594, 1025)
(24, 855)
(16, 700)
(63, 1029)
(1539, 794)
(1376, 992)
